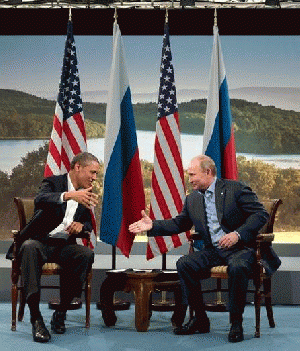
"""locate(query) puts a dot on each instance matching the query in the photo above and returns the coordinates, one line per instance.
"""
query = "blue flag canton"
(167, 103)
(69, 97)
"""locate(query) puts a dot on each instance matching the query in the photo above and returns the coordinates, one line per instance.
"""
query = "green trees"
(258, 129)
(266, 180)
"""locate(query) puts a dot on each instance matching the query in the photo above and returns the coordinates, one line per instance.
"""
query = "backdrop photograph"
(264, 87)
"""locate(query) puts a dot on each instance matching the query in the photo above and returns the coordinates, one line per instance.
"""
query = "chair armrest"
(83, 235)
(264, 238)
(15, 234)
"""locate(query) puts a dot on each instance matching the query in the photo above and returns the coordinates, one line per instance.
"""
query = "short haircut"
(205, 162)
(84, 159)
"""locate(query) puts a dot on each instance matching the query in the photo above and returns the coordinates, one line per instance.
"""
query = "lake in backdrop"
(11, 151)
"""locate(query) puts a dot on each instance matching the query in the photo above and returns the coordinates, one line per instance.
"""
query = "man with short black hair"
(62, 212)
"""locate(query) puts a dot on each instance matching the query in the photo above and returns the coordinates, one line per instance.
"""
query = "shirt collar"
(212, 187)
(70, 184)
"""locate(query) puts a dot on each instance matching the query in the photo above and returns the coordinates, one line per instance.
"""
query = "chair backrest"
(25, 207)
(271, 206)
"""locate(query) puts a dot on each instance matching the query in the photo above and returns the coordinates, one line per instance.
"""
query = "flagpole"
(164, 255)
(114, 249)
(215, 18)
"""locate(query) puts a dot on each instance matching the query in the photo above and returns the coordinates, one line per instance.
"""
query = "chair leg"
(88, 294)
(14, 301)
(268, 301)
(257, 301)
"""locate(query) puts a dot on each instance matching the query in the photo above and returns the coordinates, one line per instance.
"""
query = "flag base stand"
(74, 305)
(216, 307)
(164, 304)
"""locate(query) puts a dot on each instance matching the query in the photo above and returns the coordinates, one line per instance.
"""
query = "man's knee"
(182, 263)
(239, 268)
(30, 247)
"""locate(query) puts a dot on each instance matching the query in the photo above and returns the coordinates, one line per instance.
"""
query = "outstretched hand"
(142, 225)
(83, 196)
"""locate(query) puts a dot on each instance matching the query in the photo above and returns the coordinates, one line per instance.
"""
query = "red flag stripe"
(174, 148)
(164, 166)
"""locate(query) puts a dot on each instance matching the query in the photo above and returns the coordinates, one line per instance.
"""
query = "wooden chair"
(25, 208)
(262, 281)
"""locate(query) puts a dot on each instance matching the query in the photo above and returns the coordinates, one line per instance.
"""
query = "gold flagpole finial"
(70, 13)
(167, 15)
(215, 18)
(115, 14)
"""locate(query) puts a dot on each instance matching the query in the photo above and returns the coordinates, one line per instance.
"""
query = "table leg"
(142, 291)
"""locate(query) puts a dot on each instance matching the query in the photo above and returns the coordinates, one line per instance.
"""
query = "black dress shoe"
(58, 322)
(39, 331)
(193, 326)
(236, 332)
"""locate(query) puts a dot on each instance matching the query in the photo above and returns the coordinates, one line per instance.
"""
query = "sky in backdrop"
(33, 63)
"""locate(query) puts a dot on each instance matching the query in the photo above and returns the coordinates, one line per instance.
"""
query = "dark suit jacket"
(49, 211)
(238, 209)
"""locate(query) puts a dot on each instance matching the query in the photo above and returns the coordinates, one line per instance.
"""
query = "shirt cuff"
(61, 200)
(238, 234)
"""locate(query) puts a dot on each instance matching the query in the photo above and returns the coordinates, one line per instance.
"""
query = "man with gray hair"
(228, 216)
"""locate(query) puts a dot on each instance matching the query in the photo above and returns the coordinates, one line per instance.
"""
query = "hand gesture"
(75, 228)
(83, 196)
(142, 225)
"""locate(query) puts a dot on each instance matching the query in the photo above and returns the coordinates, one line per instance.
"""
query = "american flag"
(68, 137)
(168, 190)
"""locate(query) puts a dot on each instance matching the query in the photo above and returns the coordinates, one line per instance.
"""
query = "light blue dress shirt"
(215, 230)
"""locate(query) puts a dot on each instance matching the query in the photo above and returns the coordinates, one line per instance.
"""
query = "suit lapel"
(220, 193)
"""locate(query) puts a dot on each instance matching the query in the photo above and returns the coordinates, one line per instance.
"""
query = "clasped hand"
(228, 240)
(74, 228)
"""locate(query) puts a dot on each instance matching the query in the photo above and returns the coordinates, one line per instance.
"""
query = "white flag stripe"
(171, 163)
(155, 207)
(217, 75)
(118, 85)
(176, 132)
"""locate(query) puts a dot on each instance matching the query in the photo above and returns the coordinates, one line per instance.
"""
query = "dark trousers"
(194, 267)
(75, 260)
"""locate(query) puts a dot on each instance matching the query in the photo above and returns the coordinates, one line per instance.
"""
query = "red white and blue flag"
(68, 137)
(123, 195)
(218, 138)
(168, 190)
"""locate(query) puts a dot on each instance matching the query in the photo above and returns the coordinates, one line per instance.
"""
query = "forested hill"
(258, 129)
(26, 116)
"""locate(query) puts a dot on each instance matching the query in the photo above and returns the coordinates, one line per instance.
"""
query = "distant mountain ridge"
(286, 98)
(258, 129)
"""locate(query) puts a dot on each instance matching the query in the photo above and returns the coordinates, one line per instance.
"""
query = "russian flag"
(218, 138)
(123, 193)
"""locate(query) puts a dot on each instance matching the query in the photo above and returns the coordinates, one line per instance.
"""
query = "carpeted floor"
(124, 337)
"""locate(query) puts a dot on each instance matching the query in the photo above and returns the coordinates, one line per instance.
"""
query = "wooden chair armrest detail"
(265, 237)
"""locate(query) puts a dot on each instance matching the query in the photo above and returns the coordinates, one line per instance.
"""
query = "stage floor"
(160, 337)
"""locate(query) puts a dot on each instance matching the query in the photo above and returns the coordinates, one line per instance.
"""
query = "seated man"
(62, 211)
(228, 216)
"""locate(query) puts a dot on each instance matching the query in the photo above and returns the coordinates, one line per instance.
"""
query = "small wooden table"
(143, 283)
